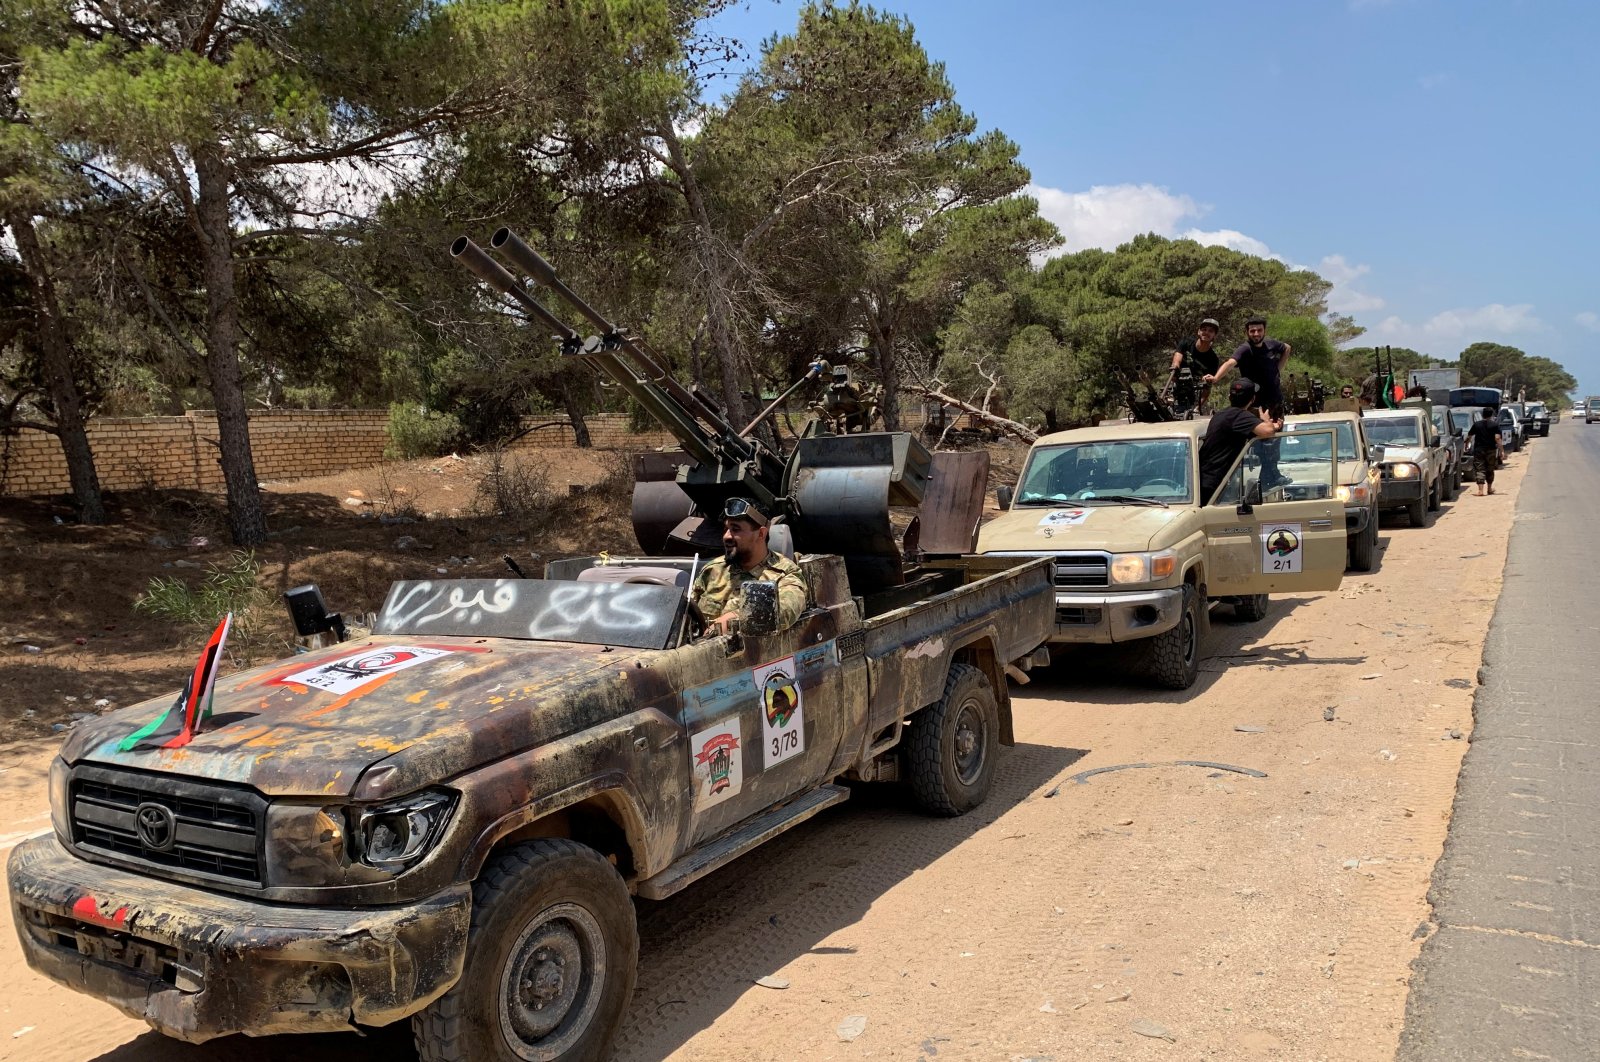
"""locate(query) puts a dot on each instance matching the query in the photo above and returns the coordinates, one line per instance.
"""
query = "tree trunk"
(62, 386)
(719, 303)
(883, 337)
(569, 401)
(246, 520)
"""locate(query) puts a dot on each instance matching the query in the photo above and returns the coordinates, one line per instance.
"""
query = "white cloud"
(1232, 239)
(1452, 327)
(1344, 298)
(1589, 320)
(1109, 215)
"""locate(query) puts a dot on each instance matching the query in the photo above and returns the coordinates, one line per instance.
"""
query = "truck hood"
(1352, 472)
(426, 708)
(1414, 454)
(1114, 528)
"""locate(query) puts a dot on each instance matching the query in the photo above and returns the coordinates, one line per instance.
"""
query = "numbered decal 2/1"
(783, 721)
(1282, 549)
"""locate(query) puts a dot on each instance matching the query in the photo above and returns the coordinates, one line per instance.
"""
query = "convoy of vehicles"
(1139, 554)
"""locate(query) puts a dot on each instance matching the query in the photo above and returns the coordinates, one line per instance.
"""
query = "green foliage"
(415, 431)
(1514, 371)
(1313, 347)
(229, 585)
(1354, 365)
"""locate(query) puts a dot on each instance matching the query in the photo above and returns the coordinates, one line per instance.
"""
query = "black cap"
(1242, 387)
(1212, 321)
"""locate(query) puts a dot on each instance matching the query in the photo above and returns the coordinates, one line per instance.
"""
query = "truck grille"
(1075, 570)
(214, 830)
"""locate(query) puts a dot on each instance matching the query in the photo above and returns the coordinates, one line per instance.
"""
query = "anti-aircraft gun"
(833, 491)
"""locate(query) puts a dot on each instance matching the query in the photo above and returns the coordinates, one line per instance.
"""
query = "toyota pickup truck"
(448, 820)
(1358, 481)
(1140, 557)
(1410, 466)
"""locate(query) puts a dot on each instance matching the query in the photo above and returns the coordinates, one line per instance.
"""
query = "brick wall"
(135, 452)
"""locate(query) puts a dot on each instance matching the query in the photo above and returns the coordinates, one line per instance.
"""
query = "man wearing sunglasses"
(718, 590)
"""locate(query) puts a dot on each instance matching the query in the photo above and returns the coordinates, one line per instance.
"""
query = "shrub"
(515, 490)
(415, 431)
(228, 586)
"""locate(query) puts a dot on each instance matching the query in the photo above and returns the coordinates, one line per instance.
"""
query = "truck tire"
(1364, 546)
(1447, 487)
(950, 757)
(1251, 609)
(1417, 512)
(1172, 658)
(551, 960)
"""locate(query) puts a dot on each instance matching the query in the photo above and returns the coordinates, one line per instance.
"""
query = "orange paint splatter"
(353, 695)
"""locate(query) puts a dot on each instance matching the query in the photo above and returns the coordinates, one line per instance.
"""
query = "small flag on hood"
(178, 724)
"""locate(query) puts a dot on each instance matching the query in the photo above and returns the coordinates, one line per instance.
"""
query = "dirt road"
(1248, 917)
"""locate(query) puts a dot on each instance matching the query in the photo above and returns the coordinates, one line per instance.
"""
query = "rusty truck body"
(446, 820)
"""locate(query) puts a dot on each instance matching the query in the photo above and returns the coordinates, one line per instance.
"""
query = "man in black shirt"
(1228, 434)
(1200, 357)
(1260, 361)
(1487, 449)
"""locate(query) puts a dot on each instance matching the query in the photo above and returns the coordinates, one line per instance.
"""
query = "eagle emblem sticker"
(1281, 552)
(783, 724)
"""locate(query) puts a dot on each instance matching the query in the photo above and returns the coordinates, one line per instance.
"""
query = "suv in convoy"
(1358, 481)
(1139, 555)
(1409, 465)
(1453, 441)
(1513, 433)
(1538, 419)
(1591, 409)
(448, 820)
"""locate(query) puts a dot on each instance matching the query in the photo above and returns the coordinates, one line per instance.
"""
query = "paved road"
(1513, 968)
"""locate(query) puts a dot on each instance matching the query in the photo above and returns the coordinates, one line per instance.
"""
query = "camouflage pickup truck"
(448, 820)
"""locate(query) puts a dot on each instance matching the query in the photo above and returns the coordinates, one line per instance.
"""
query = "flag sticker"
(354, 671)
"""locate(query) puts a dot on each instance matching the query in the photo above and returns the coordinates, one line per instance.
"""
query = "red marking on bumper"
(88, 910)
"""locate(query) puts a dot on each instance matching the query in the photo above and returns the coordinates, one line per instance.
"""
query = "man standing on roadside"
(1229, 433)
(1199, 355)
(1487, 449)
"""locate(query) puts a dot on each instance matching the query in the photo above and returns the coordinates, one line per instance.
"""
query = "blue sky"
(1437, 160)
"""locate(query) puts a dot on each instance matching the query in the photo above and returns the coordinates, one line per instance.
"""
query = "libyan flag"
(178, 724)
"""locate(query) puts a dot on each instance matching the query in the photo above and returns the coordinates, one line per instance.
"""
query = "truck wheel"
(1433, 497)
(1251, 609)
(1172, 658)
(1417, 512)
(1447, 488)
(1364, 545)
(951, 751)
(551, 960)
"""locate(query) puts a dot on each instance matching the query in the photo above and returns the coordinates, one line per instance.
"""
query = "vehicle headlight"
(1353, 492)
(392, 836)
(1404, 471)
(1142, 567)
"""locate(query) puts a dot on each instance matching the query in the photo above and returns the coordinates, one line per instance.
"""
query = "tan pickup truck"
(1139, 556)
(1358, 481)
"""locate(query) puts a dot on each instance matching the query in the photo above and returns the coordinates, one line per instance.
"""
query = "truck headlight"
(394, 835)
(1404, 471)
(1129, 568)
(1351, 493)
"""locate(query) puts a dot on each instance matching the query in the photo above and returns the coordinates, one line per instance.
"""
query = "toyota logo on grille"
(158, 827)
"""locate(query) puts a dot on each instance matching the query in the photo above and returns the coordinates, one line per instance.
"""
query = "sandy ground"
(1246, 917)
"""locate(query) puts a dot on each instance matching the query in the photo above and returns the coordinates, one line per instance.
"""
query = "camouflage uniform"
(718, 584)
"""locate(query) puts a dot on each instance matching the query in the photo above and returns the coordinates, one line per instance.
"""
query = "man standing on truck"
(1487, 450)
(1199, 355)
(718, 590)
(1228, 434)
(1261, 361)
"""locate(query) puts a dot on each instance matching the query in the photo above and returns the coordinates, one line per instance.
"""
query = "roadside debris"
(1146, 1027)
(852, 1027)
(772, 981)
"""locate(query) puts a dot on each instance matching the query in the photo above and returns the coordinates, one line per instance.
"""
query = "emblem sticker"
(717, 763)
(783, 722)
(352, 672)
(1059, 520)
(1281, 552)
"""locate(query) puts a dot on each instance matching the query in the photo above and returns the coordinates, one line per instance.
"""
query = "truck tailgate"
(908, 650)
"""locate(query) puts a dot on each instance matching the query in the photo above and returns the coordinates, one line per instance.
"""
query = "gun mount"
(834, 491)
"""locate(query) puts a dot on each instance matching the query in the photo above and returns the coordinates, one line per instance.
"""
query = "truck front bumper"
(1395, 492)
(196, 964)
(1116, 617)
(1356, 519)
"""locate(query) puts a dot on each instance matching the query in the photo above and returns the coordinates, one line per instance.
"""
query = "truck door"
(768, 727)
(1277, 526)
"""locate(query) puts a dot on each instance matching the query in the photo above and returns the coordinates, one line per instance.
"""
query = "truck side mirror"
(1433, 440)
(1003, 495)
(760, 616)
(1374, 453)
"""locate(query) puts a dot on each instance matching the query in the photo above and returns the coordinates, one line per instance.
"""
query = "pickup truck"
(1358, 481)
(1453, 445)
(1410, 465)
(448, 820)
(1538, 419)
(1140, 556)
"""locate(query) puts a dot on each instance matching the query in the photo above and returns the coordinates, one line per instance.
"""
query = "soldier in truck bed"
(718, 590)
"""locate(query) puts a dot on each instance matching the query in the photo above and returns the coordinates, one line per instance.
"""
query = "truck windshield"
(1594, 405)
(1156, 469)
(1464, 418)
(1343, 429)
(1394, 431)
